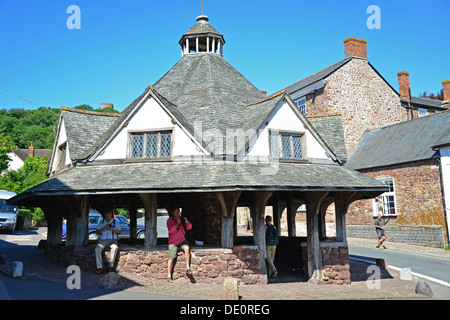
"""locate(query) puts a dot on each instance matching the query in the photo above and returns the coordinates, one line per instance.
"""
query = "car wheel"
(141, 235)
(93, 236)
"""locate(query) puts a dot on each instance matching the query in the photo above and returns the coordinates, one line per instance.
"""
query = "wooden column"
(132, 209)
(259, 234)
(313, 202)
(150, 204)
(228, 202)
(291, 212)
(82, 221)
(52, 212)
(342, 202)
(322, 213)
(277, 210)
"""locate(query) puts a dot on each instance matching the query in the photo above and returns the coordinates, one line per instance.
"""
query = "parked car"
(95, 217)
(8, 214)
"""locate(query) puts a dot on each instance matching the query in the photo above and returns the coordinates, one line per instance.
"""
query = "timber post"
(150, 204)
(313, 203)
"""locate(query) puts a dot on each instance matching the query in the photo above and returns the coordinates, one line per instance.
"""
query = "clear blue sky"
(124, 46)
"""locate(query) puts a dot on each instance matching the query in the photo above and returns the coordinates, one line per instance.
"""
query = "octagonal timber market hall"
(202, 138)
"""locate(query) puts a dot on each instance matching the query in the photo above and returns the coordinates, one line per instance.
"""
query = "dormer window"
(287, 145)
(150, 145)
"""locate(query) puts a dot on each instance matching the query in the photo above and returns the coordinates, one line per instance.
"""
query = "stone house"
(355, 91)
(205, 139)
(412, 158)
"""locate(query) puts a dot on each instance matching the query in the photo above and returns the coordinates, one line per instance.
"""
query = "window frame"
(301, 104)
(384, 201)
(278, 135)
(145, 134)
(422, 112)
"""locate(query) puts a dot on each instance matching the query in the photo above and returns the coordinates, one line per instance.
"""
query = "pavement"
(291, 286)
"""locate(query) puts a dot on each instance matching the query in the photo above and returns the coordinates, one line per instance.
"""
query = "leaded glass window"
(285, 145)
(151, 145)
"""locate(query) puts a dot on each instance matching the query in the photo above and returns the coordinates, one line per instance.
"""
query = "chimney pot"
(403, 84)
(355, 48)
(446, 89)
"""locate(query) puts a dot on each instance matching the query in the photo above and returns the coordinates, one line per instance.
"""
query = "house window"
(62, 151)
(385, 204)
(301, 104)
(150, 145)
(423, 112)
(286, 145)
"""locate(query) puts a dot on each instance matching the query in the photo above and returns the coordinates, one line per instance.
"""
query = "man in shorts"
(379, 226)
(177, 227)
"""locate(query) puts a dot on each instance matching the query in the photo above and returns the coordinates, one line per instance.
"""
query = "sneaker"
(169, 279)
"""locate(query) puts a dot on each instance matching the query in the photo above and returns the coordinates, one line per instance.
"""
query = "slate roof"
(84, 128)
(206, 88)
(202, 27)
(201, 177)
(317, 76)
(331, 131)
(426, 102)
(404, 142)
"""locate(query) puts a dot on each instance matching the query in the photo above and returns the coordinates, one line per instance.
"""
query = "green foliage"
(23, 126)
(6, 146)
(32, 173)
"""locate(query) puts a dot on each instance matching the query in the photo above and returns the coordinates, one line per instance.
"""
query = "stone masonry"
(208, 265)
(415, 206)
(363, 98)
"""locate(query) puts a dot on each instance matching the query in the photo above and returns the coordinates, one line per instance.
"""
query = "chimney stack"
(446, 89)
(31, 150)
(355, 48)
(403, 85)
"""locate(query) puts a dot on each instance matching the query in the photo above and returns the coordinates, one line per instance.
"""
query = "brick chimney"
(403, 85)
(446, 89)
(31, 150)
(355, 48)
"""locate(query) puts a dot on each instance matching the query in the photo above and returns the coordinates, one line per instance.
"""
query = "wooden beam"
(259, 234)
(82, 221)
(228, 202)
(150, 204)
(313, 203)
(342, 202)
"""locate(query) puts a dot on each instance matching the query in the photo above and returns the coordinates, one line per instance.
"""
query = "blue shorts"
(380, 233)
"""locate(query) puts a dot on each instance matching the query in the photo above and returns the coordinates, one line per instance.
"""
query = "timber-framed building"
(207, 140)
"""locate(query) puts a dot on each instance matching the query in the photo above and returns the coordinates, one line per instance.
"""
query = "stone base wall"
(335, 265)
(432, 236)
(208, 265)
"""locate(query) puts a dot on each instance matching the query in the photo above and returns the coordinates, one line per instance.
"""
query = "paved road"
(21, 289)
(435, 270)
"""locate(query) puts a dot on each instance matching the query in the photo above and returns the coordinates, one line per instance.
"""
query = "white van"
(8, 214)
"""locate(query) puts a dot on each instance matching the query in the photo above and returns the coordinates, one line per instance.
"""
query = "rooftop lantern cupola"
(202, 38)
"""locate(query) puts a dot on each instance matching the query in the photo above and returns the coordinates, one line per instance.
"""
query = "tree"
(437, 96)
(32, 173)
(6, 146)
